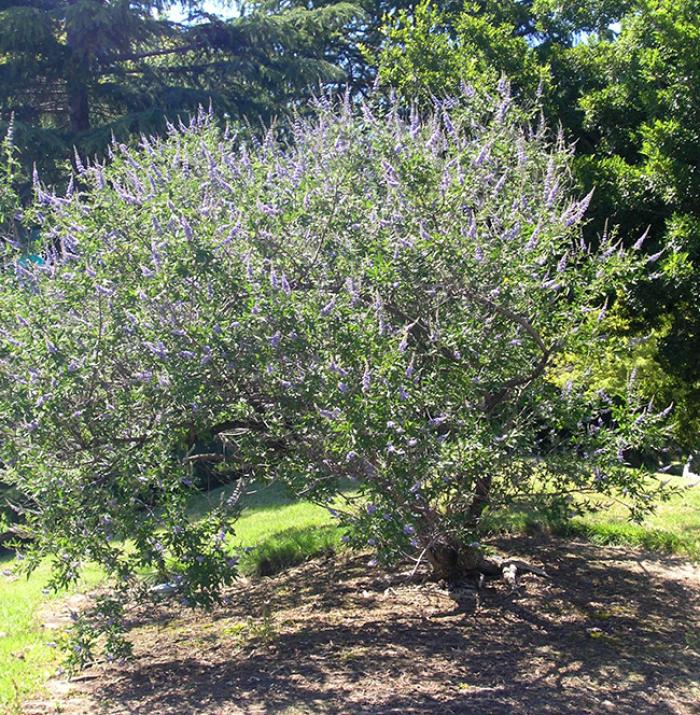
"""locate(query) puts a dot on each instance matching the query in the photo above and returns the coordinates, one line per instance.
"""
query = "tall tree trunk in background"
(77, 78)
(78, 105)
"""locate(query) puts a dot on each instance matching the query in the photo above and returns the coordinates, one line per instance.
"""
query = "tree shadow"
(608, 631)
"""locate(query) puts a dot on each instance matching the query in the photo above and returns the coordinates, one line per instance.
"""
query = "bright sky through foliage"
(216, 7)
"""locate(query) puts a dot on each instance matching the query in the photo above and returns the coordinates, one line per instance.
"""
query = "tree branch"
(131, 56)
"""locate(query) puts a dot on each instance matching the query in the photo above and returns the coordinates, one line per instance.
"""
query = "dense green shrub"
(380, 300)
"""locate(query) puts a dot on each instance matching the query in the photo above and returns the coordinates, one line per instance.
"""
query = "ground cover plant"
(379, 298)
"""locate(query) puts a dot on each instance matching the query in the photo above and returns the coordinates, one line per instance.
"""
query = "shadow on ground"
(613, 630)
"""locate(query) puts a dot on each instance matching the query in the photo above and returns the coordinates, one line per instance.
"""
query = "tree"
(642, 110)
(76, 71)
(384, 299)
(429, 52)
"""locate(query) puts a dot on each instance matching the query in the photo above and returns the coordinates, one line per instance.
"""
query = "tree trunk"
(454, 562)
(78, 105)
(78, 73)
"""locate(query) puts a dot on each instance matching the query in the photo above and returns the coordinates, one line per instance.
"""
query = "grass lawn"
(283, 532)
(26, 658)
(673, 528)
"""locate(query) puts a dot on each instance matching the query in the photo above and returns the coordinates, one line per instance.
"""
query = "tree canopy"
(621, 78)
(384, 300)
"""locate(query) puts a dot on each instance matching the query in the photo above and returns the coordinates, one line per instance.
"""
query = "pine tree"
(75, 71)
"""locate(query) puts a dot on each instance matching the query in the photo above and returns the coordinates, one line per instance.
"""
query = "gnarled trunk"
(454, 562)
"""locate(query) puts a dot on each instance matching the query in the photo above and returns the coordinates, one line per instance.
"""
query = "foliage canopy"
(74, 72)
(382, 300)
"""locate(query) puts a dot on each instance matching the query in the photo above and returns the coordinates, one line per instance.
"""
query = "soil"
(612, 630)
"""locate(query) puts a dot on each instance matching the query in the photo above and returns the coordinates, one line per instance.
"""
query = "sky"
(216, 7)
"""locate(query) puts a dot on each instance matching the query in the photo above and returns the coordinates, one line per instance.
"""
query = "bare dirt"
(612, 631)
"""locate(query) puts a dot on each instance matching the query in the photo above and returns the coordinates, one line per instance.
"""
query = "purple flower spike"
(158, 349)
(640, 241)
(328, 307)
(330, 414)
(285, 285)
(366, 380)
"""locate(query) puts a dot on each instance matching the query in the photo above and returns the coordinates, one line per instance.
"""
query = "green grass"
(291, 547)
(26, 657)
(280, 531)
(674, 527)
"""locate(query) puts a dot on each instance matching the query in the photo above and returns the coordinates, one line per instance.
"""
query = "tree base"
(457, 564)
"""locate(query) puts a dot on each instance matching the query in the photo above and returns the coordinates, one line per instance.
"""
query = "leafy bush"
(379, 299)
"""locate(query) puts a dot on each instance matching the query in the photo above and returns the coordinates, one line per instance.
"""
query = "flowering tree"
(383, 300)
(9, 200)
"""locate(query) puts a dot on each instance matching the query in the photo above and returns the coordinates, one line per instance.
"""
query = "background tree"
(76, 71)
(430, 52)
(641, 112)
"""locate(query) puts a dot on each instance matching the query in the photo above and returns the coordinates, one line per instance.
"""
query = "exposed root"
(456, 564)
(508, 569)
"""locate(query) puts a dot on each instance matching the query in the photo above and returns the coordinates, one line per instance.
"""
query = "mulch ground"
(613, 630)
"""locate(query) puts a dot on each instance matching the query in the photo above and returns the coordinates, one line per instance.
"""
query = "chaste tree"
(371, 313)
